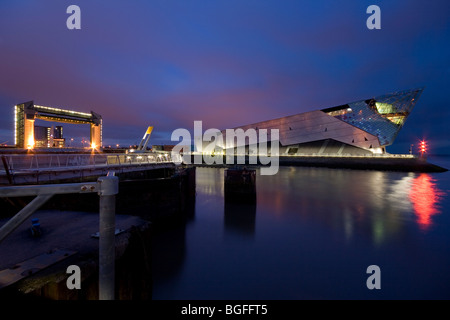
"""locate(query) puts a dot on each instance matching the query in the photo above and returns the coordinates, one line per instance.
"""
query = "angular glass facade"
(358, 128)
(382, 116)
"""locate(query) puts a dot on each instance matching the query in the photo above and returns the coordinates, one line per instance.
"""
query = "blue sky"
(167, 63)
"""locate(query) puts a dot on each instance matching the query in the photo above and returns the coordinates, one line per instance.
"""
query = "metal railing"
(107, 187)
(305, 155)
(20, 162)
(348, 155)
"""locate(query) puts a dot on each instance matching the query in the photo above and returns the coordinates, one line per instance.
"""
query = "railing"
(107, 188)
(348, 155)
(343, 155)
(16, 162)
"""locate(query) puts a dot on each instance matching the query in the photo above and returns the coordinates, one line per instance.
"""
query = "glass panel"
(382, 116)
(385, 108)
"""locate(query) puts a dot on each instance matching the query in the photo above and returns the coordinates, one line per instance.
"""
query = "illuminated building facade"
(41, 136)
(49, 137)
(26, 113)
(363, 127)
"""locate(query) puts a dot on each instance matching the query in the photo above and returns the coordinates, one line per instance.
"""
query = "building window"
(340, 112)
(292, 151)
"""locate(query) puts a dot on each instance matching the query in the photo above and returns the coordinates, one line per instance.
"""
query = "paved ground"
(64, 230)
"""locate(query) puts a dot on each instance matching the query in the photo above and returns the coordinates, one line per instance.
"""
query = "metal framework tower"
(26, 113)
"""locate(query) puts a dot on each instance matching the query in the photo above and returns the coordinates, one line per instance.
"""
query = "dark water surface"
(311, 235)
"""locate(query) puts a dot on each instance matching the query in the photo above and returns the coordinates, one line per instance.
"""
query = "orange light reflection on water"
(425, 197)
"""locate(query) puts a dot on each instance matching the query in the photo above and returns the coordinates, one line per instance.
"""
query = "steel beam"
(23, 215)
(33, 190)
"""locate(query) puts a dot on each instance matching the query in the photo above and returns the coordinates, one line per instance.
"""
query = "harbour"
(146, 196)
(311, 235)
(223, 159)
(154, 203)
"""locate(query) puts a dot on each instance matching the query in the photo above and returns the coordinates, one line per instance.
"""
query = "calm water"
(312, 235)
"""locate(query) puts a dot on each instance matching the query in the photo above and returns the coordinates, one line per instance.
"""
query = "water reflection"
(311, 230)
(398, 193)
(169, 248)
(239, 219)
(374, 203)
(209, 181)
(425, 197)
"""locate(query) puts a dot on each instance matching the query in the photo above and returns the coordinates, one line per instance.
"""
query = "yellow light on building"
(15, 125)
(30, 144)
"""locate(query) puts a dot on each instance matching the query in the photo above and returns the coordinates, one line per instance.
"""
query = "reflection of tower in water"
(425, 196)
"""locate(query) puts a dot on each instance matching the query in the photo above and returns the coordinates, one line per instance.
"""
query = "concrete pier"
(35, 266)
(404, 164)
(240, 185)
(401, 163)
(74, 233)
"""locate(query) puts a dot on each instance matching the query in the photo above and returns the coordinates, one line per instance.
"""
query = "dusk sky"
(167, 63)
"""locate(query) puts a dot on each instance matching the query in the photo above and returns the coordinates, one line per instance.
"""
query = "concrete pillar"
(240, 185)
(29, 134)
(109, 187)
(96, 135)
